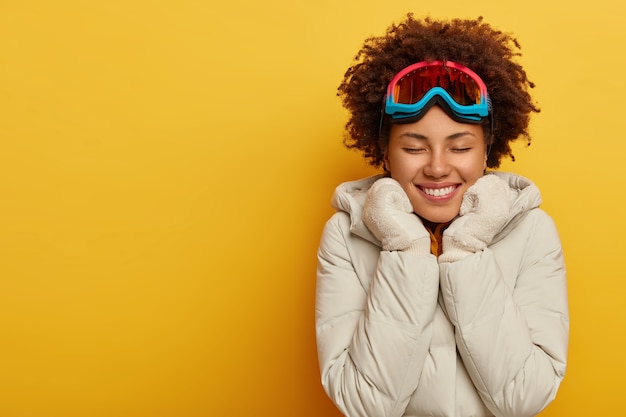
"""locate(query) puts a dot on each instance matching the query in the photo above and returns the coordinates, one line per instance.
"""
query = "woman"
(441, 287)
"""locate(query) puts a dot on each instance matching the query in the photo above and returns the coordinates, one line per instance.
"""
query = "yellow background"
(166, 168)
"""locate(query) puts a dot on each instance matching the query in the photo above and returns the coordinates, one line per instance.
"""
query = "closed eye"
(413, 150)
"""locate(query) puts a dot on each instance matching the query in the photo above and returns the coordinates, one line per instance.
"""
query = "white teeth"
(438, 192)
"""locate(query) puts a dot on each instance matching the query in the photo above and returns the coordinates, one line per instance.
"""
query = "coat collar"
(350, 198)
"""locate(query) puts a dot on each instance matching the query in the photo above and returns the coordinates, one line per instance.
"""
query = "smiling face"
(436, 160)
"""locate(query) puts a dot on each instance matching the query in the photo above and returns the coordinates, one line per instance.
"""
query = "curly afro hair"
(473, 43)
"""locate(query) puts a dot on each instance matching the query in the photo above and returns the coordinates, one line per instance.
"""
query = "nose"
(437, 165)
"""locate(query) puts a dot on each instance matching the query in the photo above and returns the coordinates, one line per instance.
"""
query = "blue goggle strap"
(472, 112)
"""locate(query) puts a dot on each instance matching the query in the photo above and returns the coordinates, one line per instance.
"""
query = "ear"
(487, 152)
(386, 162)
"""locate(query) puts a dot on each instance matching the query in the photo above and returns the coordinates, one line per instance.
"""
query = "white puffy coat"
(402, 335)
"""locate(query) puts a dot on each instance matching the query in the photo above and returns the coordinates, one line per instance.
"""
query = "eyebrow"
(453, 136)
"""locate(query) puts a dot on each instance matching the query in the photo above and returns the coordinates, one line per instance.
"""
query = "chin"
(441, 213)
(437, 217)
(439, 220)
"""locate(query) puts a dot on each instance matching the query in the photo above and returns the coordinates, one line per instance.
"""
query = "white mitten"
(484, 211)
(388, 214)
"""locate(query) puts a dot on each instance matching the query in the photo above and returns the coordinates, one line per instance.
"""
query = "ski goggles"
(416, 88)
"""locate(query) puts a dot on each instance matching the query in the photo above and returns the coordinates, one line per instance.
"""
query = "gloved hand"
(388, 214)
(484, 211)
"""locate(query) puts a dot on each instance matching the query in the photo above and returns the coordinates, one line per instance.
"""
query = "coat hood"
(350, 198)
